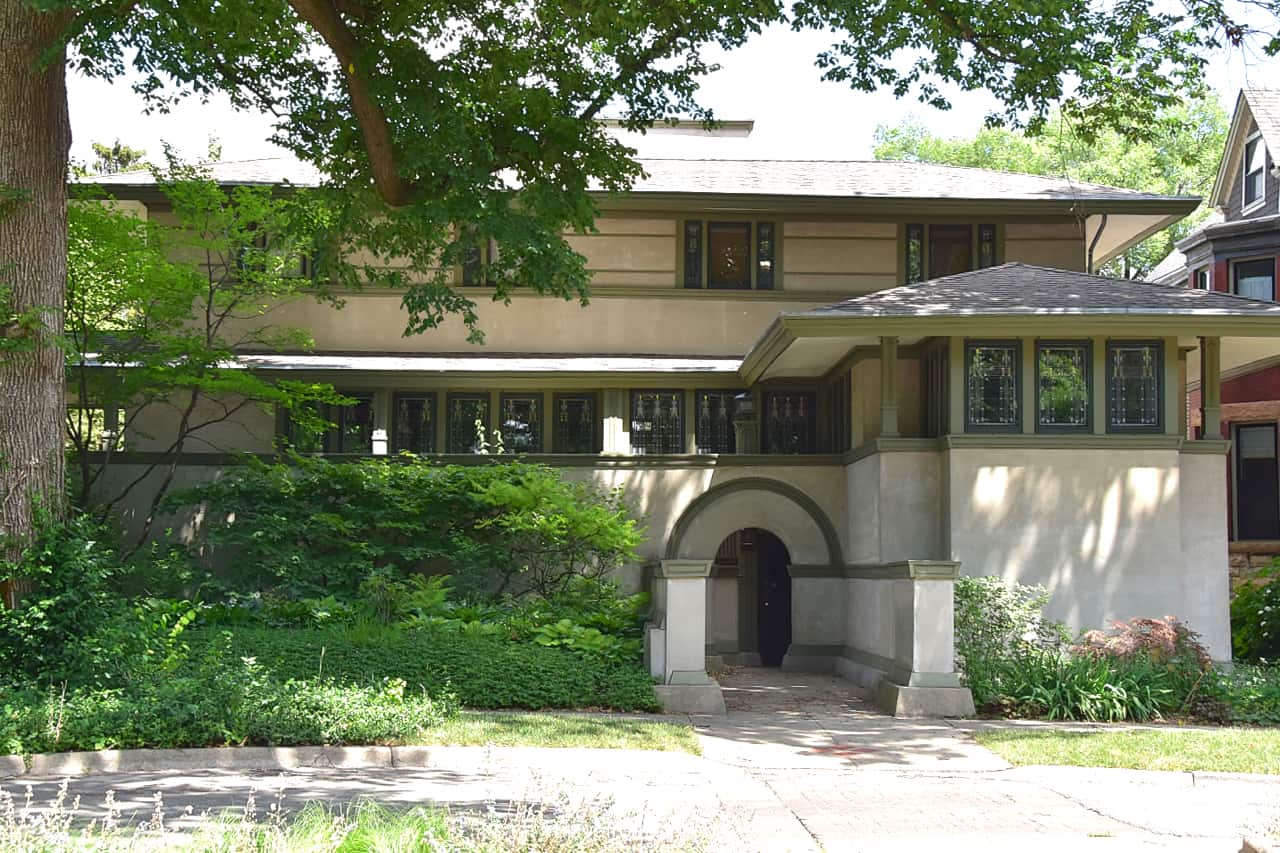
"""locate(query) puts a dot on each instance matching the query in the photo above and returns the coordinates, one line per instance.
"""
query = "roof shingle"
(1016, 288)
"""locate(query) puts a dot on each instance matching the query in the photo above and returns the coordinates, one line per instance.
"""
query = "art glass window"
(575, 424)
(468, 423)
(1133, 380)
(729, 255)
(992, 378)
(521, 423)
(714, 430)
(656, 425)
(1062, 386)
(789, 422)
(414, 423)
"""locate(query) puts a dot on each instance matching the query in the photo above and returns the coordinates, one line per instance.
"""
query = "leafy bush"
(239, 706)
(314, 528)
(1255, 616)
(1048, 683)
(480, 669)
(995, 622)
(1252, 693)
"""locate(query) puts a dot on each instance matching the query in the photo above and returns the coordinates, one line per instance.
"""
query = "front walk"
(799, 763)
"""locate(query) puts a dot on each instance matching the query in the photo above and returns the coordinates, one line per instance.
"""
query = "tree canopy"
(1181, 161)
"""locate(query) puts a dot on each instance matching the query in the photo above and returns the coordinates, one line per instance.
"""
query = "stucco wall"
(1114, 533)
(847, 257)
(1059, 245)
(895, 504)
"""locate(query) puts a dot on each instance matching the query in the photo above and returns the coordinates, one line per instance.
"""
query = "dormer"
(1248, 182)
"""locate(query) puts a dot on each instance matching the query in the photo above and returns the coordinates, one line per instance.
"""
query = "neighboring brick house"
(1241, 255)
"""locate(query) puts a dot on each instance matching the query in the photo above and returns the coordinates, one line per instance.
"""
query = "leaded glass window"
(468, 423)
(414, 423)
(789, 422)
(1133, 386)
(764, 256)
(693, 253)
(355, 424)
(301, 430)
(656, 425)
(992, 374)
(575, 424)
(714, 431)
(986, 246)
(521, 423)
(729, 255)
(1062, 386)
(915, 254)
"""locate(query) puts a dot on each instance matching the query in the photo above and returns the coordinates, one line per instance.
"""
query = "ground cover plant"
(1019, 664)
(350, 633)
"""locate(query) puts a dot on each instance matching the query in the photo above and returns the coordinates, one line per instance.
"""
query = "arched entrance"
(760, 561)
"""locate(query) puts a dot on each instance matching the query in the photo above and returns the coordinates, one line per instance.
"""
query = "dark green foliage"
(215, 705)
(1252, 693)
(1255, 616)
(315, 528)
(483, 671)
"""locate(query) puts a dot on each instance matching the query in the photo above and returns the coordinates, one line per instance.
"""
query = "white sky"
(772, 79)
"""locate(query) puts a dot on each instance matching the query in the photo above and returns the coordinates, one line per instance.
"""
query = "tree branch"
(324, 17)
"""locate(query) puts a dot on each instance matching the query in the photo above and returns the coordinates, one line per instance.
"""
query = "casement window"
(1203, 279)
(270, 254)
(714, 412)
(790, 420)
(1063, 386)
(352, 430)
(475, 263)
(1253, 170)
(1255, 279)
(657, 425)
(467, 423)
(1257, 482)
(738, 255)
(413, 423)
(521, 423)
(992, 383)
(576, 427)
(94, 428)
(1134, 386)
(933, 251)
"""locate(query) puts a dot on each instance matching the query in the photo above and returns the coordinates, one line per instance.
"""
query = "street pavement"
(800, 763)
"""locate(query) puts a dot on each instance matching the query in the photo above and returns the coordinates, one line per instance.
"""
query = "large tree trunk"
(35, 137)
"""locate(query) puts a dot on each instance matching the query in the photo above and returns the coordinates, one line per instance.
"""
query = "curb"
(215, 758)
(1050, 773)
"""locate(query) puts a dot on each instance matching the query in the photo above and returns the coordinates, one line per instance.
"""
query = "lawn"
(1229, 750)
(470, 728)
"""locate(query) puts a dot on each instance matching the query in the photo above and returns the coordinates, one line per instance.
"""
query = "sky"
(771, 80)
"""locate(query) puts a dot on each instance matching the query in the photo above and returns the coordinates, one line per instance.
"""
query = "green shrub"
(221, 704)
(1252, 693)
(314, 528)
(995, 622)
(1255, 617)
(481, 670)
(1038, 682)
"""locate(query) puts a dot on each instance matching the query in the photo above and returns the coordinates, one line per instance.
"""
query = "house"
(830, 388)
(1240, 254)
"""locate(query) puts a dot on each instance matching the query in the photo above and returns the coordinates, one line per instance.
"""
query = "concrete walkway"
(799, 763)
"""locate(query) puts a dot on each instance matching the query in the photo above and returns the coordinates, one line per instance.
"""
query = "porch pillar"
(1211, 388)
(889, 386)
(678, 642)
(615, 431)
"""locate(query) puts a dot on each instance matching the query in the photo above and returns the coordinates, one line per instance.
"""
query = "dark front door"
(1257, 483)
(773, 610)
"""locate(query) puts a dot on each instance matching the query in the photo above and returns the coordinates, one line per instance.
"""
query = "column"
(889, 387)
(684, 596)
(1211, 387)
(616, 434)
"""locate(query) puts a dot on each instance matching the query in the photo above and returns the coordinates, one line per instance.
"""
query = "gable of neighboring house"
(1248, 184)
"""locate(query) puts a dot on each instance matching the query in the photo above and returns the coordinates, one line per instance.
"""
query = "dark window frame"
(1202, 274)
(732, 394)
(763, 251)
(597, 421)
(811, 439)
(1236, 263)
(1090, 401)
(1015, 344)
(432, 403)
(450, 397)
(1140, 429)
(917, 240)
(680, 420)
(1247, 204)
(1237, 469)
(538, 398)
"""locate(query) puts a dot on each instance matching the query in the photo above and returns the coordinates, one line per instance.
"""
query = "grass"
(474, 728)
(1228, 750)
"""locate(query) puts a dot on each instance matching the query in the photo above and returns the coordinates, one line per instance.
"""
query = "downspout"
(1093, 244)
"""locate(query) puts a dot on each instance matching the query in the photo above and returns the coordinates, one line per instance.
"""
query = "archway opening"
(761, 563)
